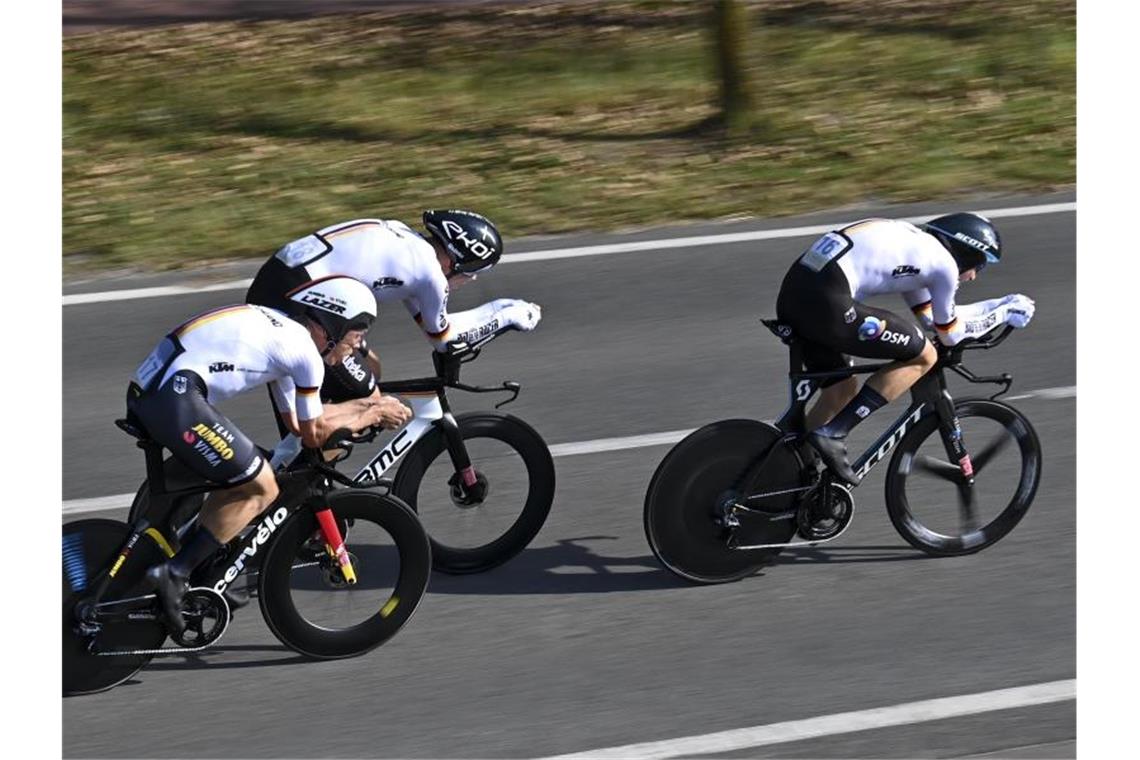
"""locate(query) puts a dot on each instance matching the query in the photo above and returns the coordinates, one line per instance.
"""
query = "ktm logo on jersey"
(387, 282)
(905, 270)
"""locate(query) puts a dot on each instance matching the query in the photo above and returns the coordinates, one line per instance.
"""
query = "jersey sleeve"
(428, 306)
(943, 286)
(921, 303)
(303, 371)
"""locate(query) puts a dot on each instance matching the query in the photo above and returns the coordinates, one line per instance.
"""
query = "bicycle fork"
(334, 543)
(467, 487)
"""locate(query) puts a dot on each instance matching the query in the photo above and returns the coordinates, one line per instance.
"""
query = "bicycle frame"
(428, 398)
(929, 395)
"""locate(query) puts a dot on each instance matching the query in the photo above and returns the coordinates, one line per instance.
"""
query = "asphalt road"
(584, 641)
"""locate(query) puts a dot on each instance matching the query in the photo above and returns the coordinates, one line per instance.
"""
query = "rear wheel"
(473, 530)
(726, 462)
(929, 500)
(89, 549)
(306, 601)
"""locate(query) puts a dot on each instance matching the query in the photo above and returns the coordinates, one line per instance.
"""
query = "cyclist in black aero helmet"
(822, 299)
(398, 264)
(972, 239)
(470, 239)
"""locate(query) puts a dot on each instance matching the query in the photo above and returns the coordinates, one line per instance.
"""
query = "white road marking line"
(569, 253)
(841, 723)
(574, 448)
(1068, 391)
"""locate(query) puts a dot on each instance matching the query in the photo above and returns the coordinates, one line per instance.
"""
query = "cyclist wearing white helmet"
(398, 264)
(227, 351)
(822, 295)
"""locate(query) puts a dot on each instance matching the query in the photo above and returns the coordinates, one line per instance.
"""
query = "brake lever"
(1004, 379)
(508, 386)
(514, 388)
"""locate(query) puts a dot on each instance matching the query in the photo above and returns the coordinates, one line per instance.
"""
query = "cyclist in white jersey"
(398, 264)
(224, 352)
(822, 295)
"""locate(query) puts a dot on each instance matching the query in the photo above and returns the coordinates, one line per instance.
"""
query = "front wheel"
(306, 600)
(929, 499)
(723, 463)
(481, 528)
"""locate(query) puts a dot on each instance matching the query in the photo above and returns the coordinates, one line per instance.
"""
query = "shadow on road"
(839, 555)
(209, 659)
(573, 566)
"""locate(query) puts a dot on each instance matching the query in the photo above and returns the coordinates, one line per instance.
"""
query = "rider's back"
(894, 256)
(384, 254)
(236, 348)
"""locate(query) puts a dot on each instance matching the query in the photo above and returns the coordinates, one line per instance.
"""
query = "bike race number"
(824, 250)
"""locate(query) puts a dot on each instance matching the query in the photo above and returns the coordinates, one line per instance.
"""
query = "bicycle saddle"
(781, 330)
(132, 427)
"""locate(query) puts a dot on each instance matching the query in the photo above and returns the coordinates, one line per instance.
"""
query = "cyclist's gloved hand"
(1018, 310)
(522, 314)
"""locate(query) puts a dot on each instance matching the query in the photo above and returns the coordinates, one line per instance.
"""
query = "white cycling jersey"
(880, 256)
(236, 348)
(388, 256)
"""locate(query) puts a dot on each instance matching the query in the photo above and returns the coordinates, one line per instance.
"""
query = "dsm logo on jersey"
(871, 328)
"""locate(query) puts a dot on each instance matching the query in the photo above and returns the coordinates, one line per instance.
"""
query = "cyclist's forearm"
(353, 414)
(471, 324)
(374, 363)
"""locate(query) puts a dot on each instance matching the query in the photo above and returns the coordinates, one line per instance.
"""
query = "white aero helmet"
(338, 304)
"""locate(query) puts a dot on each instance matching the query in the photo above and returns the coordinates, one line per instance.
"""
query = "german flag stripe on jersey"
(307, 391)
(857, 225)
(948, 326)
(433, 335)
(209, 316)
(349, 228)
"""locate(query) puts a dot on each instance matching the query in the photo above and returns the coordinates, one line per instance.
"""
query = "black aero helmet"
(971, 238)
(338, 304)
(470, 239)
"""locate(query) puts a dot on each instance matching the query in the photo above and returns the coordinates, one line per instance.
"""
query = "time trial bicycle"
(733, 494)
(341, 572)
(483, 502)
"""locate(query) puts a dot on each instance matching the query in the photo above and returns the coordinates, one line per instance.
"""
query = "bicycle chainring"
(824, 513)
(207, 615)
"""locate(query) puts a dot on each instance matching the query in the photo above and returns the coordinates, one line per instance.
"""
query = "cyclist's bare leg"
(227, 512)
(891, 382)
(831, 400)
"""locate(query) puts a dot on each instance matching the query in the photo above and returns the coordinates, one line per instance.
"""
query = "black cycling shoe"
(171, 589)
(833, 452)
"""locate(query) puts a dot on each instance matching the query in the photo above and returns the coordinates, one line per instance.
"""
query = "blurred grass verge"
(221, 140)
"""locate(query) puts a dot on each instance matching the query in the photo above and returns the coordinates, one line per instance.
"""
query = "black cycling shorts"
(353, 378)
(830, 323)
(178, 416)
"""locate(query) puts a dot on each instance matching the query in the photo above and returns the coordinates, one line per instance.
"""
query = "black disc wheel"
(726, 463)
(307, 600)
(929, 499)
(476, 527)
(93, 633)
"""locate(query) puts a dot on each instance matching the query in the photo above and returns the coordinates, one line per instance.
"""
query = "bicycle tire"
(90, 546)
(899, 506)
(278, 605)
(528, 445)
(718, 461)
